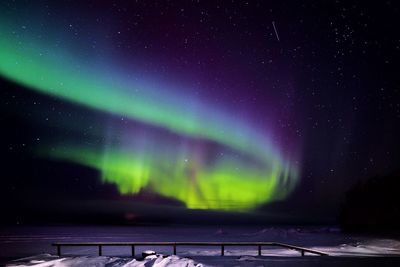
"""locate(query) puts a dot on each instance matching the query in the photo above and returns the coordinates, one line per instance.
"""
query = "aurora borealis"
(246, 170)
(148, 110)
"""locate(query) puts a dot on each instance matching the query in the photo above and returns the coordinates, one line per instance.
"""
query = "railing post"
(302, 253)
(259, 250)
(174, 248)
(222, 250)
(100, 251)
(58, 250)
(133, 250)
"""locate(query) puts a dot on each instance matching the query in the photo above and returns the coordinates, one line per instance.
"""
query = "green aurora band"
(253, 171)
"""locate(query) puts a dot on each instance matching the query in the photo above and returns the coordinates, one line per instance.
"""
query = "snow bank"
(47, 260)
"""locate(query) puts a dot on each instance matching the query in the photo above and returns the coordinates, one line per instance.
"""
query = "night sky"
(166, 111)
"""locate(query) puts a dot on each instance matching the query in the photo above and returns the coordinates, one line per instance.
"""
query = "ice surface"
(27, 241)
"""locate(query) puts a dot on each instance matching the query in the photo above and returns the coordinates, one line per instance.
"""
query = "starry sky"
(121, 111)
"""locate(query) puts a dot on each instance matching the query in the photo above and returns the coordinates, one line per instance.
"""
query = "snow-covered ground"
(47, 260)
(25, 242)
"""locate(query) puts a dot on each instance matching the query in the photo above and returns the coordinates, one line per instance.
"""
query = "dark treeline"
(373, 205)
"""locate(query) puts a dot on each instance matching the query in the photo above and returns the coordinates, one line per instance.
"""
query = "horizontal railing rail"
(174, 245)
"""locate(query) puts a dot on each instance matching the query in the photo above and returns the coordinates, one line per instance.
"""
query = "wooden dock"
(174, 245)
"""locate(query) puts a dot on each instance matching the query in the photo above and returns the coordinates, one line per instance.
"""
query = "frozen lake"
(23, 241)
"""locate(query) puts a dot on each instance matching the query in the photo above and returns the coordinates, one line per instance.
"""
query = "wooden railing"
(174, 245)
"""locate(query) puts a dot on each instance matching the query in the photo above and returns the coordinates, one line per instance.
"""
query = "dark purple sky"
(324, 81)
